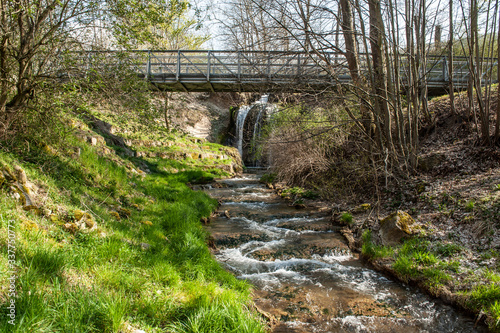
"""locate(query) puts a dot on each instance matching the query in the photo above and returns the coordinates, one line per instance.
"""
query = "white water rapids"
(306, 277)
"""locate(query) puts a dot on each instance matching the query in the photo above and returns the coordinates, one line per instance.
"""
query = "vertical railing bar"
(446, 74)
(298, 65)
(208, 67)
(269, 65)
(239, 65)
(148, 75)
(177, 76)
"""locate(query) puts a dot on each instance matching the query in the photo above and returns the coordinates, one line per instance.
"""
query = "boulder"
(428, 162)
(395, 227)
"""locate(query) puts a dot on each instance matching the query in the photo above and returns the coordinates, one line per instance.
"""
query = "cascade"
(258, 110)
(240, 121)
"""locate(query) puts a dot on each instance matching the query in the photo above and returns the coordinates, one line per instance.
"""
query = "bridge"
(249, 71)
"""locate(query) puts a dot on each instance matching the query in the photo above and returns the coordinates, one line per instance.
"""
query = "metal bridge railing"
(214, 67)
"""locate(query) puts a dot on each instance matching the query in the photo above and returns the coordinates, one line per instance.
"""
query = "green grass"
(486, 297)
(103, 280)
(346, 218)
(413, 259)
(469, 206)
(297, 192)
(447, 249)
(373, 251)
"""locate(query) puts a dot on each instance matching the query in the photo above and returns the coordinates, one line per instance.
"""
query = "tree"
(38, 36)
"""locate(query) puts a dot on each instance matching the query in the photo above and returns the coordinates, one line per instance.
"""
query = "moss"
(78, 214)
(29, 225)
(115, 215)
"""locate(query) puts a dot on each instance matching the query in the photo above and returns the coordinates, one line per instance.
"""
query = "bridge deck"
(271, 71)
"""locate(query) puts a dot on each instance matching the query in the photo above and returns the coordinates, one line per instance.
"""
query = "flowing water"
(304, 274)
(248, 131)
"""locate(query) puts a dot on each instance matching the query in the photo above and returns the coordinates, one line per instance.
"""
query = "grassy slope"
(146, 266)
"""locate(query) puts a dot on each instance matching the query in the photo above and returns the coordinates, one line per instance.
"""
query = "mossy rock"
(78, 214)
(90, 224)
(395, 227)
(8, 175)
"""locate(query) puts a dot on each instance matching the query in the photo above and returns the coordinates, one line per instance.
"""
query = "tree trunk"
(483, 113)
(497, 129)
(379, 73)
(450, 61)
(351, 53)
(166, 108)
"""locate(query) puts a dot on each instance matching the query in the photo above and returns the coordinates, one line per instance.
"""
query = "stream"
(304, 274)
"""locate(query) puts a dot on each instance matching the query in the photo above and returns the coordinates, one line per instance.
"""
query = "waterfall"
(240, 121)
(244, 111)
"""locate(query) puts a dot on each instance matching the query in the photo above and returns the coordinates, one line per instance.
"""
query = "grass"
(346, 218)
(373, 251)
(298, 192)
(104, 280)
(487, 297)
(413, 259)
(469, 206)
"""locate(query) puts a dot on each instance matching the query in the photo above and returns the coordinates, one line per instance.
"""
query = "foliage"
(154, 24)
